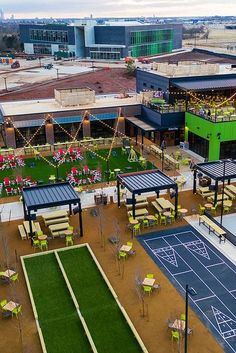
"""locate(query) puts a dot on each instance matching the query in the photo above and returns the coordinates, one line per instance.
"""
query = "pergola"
(217, 170)
(146, 181)
(46, 196)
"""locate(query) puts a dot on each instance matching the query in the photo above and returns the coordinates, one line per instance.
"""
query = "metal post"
(108, 172)
(216, 190)
(80, 219)
(186, 320)
(5, 82)
(176, 202)
(57, 74)
(194, 181)
(142, 140)
(118, 193)
(223, 193)
(70, 210)
(162, 159)
(30, 225)
(133, 205)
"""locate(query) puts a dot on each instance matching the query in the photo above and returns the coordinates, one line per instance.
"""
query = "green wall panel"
(214, 132)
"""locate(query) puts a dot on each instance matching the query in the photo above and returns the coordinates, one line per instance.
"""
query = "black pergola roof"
(146, 181)
(51, 195)
(143, 125)
(215, 169)
(206, 84)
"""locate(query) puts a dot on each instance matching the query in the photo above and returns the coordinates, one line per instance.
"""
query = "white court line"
(233, 290)
(180, 273)
(204, 298)
(219, 263)
(198, 307)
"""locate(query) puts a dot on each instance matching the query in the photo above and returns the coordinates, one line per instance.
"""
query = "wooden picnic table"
(55, 214)
(140, 212)
(165, 204)
(27, 227)
(156, 150)
(231, 188)
(58, 227)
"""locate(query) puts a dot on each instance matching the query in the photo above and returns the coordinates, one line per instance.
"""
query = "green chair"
(43, 244)
(136, 229)
(201, 209)
(163, 219)
(147, 289)
(112, 175)
(123, 150)
(179, 207)
(183, 317)
(150, 275)
(213, 209)
(157, 217)
(145, 223)
(175, 336)
(36, 243)
(69, 240)
(130, 243)
(17, 310)
(172, 216)
(3, 302)
(122, 255)
(39, 233)
(14, 278)
(70, 228)
(226, 209)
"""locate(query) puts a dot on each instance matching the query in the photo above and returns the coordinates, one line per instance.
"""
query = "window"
(54, 36)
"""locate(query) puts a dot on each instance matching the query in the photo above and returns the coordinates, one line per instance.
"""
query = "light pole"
(5, 82)
(192, 292)
(57, 74)
(163, 147)
(223, 192)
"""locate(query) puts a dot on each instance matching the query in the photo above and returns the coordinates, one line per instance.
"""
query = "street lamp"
(192, 292)
(163, 147)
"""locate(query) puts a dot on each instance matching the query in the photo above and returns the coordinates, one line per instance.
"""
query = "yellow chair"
(163, 219)
(43, 244)
(147, 289)
(136, 229)
(150, 275)
(157, 217)
(175, 336)
(213, 209)
(69, 240)
(226, 209)
(183, 317)
(122, 255)
(145, 223)
(130, 243)
(201, 209)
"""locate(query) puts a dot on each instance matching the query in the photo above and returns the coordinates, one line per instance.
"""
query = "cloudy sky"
(116, 8)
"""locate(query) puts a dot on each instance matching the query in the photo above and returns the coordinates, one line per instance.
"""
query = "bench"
(137, 205)
(55, 214)
(157, 207)
(37, 227)
(56, 229)
(57, 234)
(56, 221)
(229, 193)
(22, 232)
(212, 227)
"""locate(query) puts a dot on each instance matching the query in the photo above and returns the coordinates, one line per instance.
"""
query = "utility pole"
(5, 82)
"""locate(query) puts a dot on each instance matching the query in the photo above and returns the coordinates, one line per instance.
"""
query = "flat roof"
(42, 106)
(215, 169)
(51, 195)
(205, 84)
(141, 124)
(146, 181)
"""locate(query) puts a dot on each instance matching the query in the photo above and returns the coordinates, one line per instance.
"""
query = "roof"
(146, 181)
(215, 169)
(145, 126)
(51, 195)
(42, 106)
(206, 84)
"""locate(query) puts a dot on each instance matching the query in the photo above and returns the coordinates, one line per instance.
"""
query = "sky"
(116, 8)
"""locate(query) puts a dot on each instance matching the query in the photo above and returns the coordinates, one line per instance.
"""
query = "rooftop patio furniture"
(69, 240)
(17, 310)
(175, 336)
(22, 232)
(43, 244)
(147, 289)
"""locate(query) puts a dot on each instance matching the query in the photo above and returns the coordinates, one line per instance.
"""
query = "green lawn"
(41, 170)
(104, 319)
(58, 319)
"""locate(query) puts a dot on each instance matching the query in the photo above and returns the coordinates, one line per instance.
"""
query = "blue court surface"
(186, 257)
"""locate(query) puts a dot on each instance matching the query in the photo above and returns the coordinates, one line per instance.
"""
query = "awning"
(141, 124)
(205, 84)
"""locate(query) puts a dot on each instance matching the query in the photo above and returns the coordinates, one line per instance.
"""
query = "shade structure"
(146, 181)
(220, 170)
(205, 84)
(51, 195)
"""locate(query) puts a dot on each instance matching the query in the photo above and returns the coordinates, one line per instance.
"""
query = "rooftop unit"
(74, 96)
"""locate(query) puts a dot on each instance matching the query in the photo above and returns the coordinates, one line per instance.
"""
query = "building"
(206, 101)
(109, 41)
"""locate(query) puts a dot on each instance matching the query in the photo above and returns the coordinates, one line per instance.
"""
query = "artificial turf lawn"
(42, 170)
(58, 319)
(106, 323)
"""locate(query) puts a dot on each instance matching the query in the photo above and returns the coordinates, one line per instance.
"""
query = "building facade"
(111, 41)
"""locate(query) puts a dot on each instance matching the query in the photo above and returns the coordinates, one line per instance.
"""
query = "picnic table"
(10, 306)
(140, 212)
(55, 214)
(58, 227)
(165, 204)
(148, 282)
(27, 227)
(156, 150)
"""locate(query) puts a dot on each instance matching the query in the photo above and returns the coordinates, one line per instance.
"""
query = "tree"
(130, 65)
